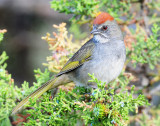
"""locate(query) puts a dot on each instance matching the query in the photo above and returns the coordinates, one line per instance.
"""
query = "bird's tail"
(37, 93)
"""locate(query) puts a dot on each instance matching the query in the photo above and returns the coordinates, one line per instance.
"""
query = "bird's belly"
(103, 69)
(107, 70)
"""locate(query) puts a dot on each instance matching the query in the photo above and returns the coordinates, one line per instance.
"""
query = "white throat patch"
(101, 39)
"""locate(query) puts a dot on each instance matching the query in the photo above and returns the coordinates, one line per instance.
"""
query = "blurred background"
(26, 22)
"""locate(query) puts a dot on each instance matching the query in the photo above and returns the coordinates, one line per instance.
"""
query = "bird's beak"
(94, 31)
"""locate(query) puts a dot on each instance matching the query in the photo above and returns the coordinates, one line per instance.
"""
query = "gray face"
(107, 30)
(102, 30)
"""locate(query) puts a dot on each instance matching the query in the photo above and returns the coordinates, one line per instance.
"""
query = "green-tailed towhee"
(104, 55)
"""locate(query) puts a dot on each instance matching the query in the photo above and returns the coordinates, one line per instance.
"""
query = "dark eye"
(104, 27)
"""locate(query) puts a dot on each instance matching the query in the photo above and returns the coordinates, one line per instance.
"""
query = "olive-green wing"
(82, 55)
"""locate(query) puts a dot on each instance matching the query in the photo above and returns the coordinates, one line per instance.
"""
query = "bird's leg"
(53, 93)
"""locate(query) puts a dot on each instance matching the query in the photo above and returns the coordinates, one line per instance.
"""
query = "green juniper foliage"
(146, 51)
(7, 100)
(101, 106)
(1, 36)
(79, 9)
(84, 10)
(9, 92)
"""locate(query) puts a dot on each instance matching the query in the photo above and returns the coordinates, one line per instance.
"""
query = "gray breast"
(106, 63)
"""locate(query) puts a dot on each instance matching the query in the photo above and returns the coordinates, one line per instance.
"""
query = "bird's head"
(105, 28)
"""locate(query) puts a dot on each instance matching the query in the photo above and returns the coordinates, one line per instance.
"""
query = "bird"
(103, 55)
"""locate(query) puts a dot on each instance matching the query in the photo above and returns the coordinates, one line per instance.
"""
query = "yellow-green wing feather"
(82, 55)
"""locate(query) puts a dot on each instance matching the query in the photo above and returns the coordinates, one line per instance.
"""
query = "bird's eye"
(104, 27)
